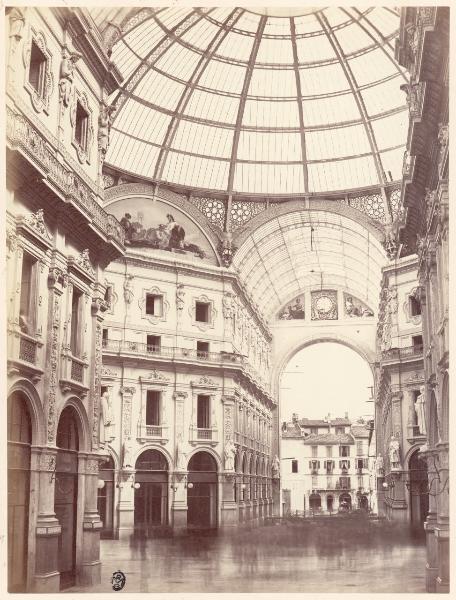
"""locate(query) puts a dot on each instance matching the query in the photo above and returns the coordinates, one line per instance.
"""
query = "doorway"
(315, 502)
(202, 492)
(66, 494)
(19, 442)
(345, 502)
(419, 498)
(151, 493)
(330, 504)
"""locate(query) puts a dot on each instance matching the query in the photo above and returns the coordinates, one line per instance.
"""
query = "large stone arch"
(316, 204)
(34, 407)
(153, 446)
(210, 451)
(82, 421)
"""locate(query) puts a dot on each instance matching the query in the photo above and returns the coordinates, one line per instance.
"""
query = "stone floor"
(308, 557)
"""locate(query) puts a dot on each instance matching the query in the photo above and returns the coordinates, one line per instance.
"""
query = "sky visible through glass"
(326, 378)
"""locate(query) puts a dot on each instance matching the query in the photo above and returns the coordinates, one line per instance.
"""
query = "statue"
(104, 127)
(181, 461)
(16, 21)
(228, 305)
(108, 418)
(276, 467)
(127, 458)
(128, 289)
(180, 295)
(420, 410)
(230, 451)
(379, 465)
(69, 59)
(394, 453)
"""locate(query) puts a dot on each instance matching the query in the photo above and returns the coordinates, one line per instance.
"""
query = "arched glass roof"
(248, 100)
(309, 250)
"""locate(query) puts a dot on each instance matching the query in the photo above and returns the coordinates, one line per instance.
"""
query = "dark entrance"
(364, 502)
(66, 494)
(330, 503)
(345, 502)
(151, 493)
(106, 499)
(419, 498)
(202, 492)
(315, 501)
(19, 442)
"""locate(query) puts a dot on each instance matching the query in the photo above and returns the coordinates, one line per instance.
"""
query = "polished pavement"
(314, 557)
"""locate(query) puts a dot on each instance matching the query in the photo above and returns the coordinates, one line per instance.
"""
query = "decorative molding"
(53, 368)
(154, 319)
(203, 326)
(36, 222)
(204, 382)
(82, 153)
(39, 103)
(324, 305)
(155, 377)
(97, 385)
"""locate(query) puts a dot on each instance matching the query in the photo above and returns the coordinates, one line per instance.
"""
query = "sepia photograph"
(226, 299)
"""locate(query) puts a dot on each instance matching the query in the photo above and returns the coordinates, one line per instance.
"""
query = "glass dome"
(259, 101)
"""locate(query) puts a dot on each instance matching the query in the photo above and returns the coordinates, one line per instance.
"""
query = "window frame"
(83, 151)
(40, 96)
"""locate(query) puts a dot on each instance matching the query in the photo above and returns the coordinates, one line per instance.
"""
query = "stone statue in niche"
(167, 236)
(69, 59)
(230, 451)
(420, 410)
(127, 453)
(379, 465)
(181, 459)
(107, 417)
(128, 289)
(276, 467)
(394, 453)
(104, 127)
(295, 310)
(180, 296)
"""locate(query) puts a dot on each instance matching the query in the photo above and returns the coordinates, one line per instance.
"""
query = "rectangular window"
(153, 408)
(202, 312)
(314, 451)
(37, 70)
(329, 466)
(414, 306)
(294, 466)
(81, 128)
(345, 483)
(417, 341)
(314, 430)
(359, 447)
(154, 305)
(329, 451)
(202, 349)
(340, 430)
(105, 337)
(344, 450)
(203, 412)
(153, 343)
(27, 299)
(76, 319)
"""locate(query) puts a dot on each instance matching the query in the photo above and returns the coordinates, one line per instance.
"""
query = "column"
(89, 572)
(442, 529)
(229, 509)
(126, 475)
(179, 503)
(429, 527)
(398, 502)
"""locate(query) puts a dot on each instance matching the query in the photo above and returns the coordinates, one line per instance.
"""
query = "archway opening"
(151, 492)
(202, 492)
(66, 493)
(418, 490)
(19, 435)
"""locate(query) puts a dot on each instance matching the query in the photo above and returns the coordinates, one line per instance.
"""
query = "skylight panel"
(339, 175)
(201, 34)
(170, 17)
(202, 139)
(258, 146)
(384, 96)
(124, 59)
(392, 163)
(160, 90)
(335, 16)
(277, 26)
(324, 79)
(223, 76)
(203, 105)
(331, 109)
(259, 113)
(236, 47)
(196, 171)
(391, 131)
(314, 49)
(352, 38)
(143, 122)
(273, 83)
(132, 155)
(145, 37)
(179, 63)
(335, 143)
(371, 66)
(275, 51)
(307, 24)
(268, 179)
(383, 20)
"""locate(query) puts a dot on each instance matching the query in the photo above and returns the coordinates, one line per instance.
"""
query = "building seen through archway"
(193, 196)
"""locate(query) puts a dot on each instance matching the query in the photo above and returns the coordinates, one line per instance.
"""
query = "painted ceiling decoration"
(258, 101)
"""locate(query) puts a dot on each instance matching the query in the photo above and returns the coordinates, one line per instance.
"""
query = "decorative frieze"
(53, 370)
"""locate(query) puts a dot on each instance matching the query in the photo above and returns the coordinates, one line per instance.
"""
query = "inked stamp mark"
(118, 580)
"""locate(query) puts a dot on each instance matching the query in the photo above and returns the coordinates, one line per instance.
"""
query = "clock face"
(324, 304)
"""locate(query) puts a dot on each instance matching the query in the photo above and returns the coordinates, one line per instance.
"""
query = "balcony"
(24, 353)
(122, 347)
(414, 436)
(157, 433)
(73, 373)
(408, 352)
(203, 435)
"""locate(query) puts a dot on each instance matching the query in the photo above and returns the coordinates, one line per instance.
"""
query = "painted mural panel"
(353, 307)
(156, 224)
(293, 310)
